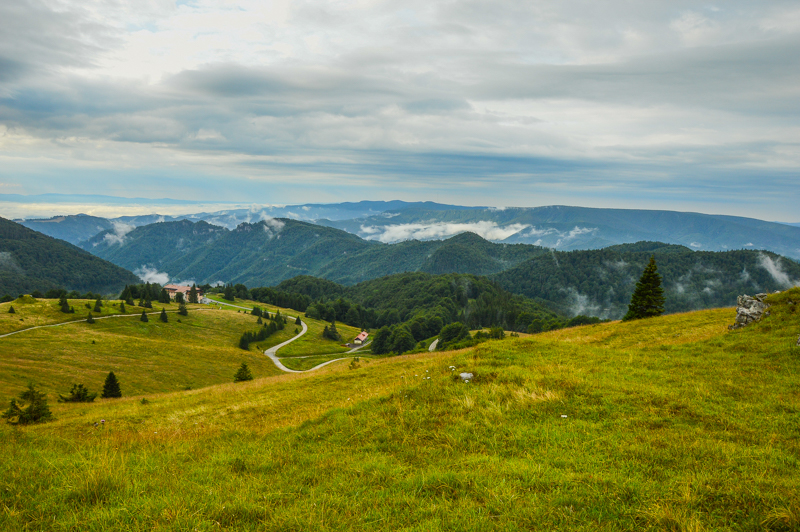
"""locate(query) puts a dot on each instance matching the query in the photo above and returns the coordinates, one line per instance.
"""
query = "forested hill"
(473, 300)
(270, 251)
(600, 282)
(31, 261)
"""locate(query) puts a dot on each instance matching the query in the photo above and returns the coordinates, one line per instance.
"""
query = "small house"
(361, 338)
(173, 289)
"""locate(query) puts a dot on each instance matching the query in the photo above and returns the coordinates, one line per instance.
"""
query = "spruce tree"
(36, 411)
(163, 296)
(648, 297)
(78, 394)
(193, 294)
(11, 310)
(111, 387)
(122, 306)
(243, 374)
(179, 298)
(89, 318)
(163, 317)
(62, 302)
(182, 310)
(297, 321)
(144, 317)
(98, 305)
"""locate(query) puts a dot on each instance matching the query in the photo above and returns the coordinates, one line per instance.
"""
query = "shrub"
(243, 374)
(182, 310)
(37, 410)
(78, 394)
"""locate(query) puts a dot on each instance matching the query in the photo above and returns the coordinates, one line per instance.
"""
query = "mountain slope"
(600, 282)
(32, 261)
(270, 251)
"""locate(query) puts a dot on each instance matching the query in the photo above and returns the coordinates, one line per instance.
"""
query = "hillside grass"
(30, 312)
(620, 426)
(200, 350)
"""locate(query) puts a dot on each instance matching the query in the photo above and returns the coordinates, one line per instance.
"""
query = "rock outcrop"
(749, 309)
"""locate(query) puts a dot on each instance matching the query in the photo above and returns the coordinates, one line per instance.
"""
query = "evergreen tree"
(122, 307)
(243, 374)
(11, 310)
(89, 318)
(129, 301)
(402, 340)
(144, 317)
(380, 342)
(259, 320)
(648, 297)
(36, 411)
(193, 294)
(298, 321)
(163, 296)
(111, 387)
(148, 302)
(182, 310)
(228, 294)
(62, 302)
(163, 317)
(179, 298)
(98, 305)
(78, 394)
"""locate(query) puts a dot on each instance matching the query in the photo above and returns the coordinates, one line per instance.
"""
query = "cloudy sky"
(659, 104)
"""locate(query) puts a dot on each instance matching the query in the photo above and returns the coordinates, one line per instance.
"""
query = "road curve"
(272, 354)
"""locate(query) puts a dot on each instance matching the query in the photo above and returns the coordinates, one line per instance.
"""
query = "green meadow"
(670, 423)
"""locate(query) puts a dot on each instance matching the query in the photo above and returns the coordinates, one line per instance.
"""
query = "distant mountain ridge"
(591, 282)
(268, 252)
(31, 261)
(558, 227)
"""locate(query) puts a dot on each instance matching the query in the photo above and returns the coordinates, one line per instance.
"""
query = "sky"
(673, 105)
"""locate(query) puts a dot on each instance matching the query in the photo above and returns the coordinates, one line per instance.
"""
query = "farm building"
(361, 338)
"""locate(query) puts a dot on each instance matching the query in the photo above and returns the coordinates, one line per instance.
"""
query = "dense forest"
(33, 262)
(600, 282)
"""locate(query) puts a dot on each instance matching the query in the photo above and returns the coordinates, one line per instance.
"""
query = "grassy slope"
(672, 424)
(149, 357)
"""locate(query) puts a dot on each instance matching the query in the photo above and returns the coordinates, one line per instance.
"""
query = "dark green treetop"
(36, 411)
(648, 297)
(243, 374)
(111, 387)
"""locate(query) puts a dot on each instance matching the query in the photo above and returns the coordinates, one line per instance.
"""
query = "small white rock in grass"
(563, 415)
(465, 376)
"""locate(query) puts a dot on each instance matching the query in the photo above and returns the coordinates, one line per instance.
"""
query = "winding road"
(271, 352)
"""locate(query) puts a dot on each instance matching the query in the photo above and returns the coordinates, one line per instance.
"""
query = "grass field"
(30, 312)
(672, 423)
(200, 350)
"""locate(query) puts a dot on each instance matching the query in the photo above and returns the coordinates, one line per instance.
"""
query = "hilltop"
(31, 261)
(667, 423)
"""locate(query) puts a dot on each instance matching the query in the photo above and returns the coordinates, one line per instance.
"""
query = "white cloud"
(775, 269)
(696, 245)
(151, 275)
(437, 231)
(118, 236)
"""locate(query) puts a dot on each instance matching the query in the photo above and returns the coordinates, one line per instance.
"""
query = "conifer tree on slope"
(111, 387)
(648, 297)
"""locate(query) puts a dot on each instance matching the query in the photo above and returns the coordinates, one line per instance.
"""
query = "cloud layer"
(653, 104)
